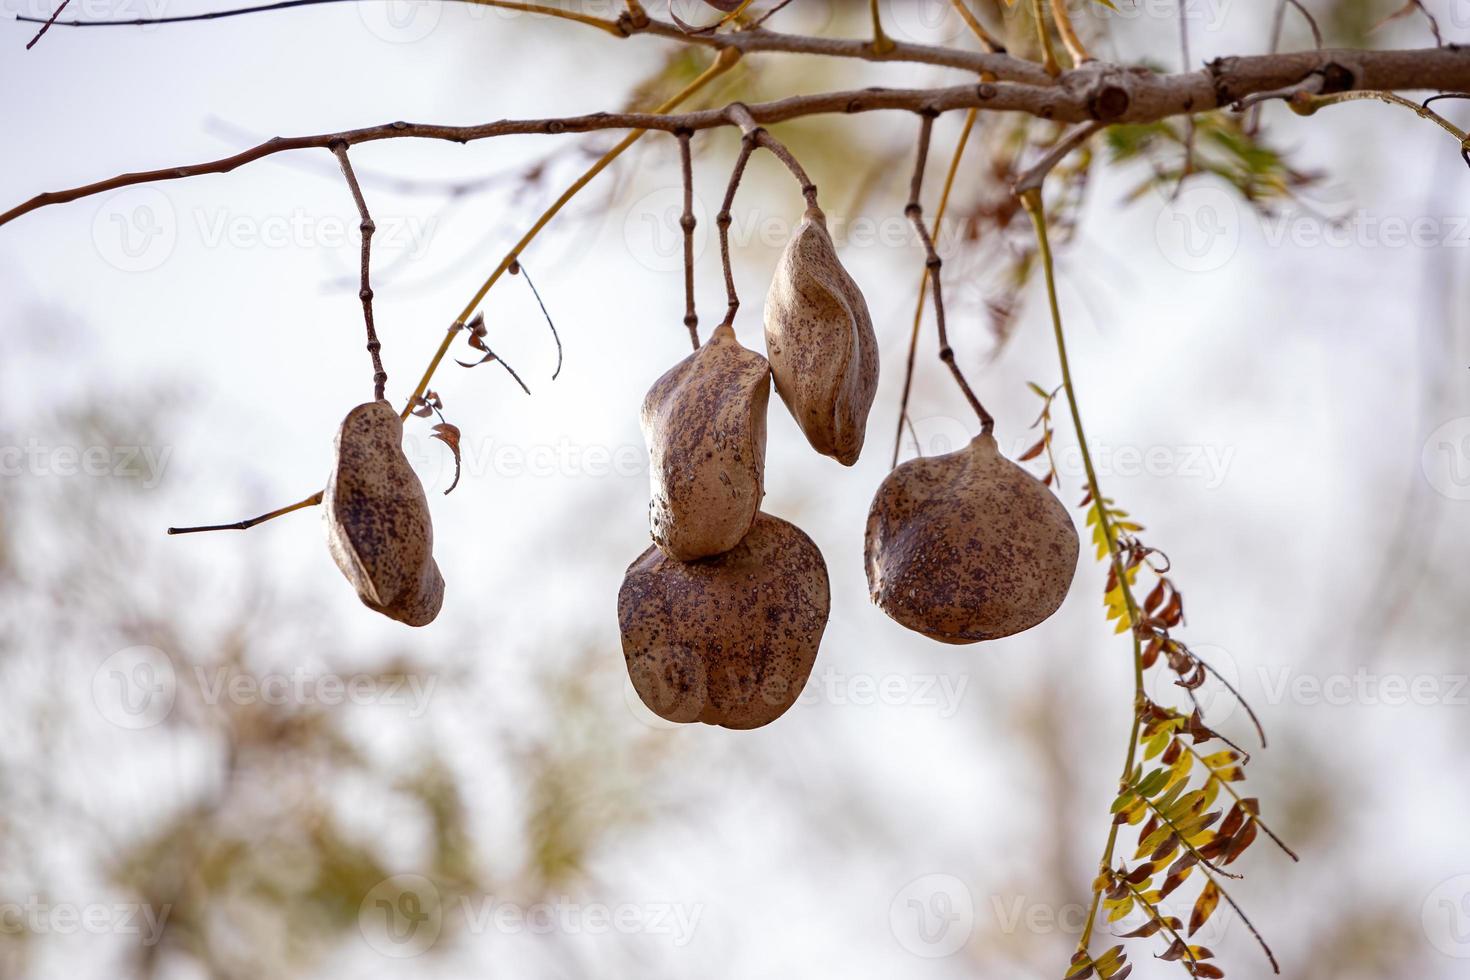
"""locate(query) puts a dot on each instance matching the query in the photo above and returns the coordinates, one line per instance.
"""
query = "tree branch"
(1096, 92)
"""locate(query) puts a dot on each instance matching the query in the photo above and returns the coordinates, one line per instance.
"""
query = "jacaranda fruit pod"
(378, 527)
(729, 640)
(968, 546)
(705, 424)
(819, 337)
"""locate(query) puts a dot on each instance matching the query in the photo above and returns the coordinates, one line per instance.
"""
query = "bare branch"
(1097, 92)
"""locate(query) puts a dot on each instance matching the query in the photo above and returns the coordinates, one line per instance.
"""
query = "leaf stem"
(1031, 200)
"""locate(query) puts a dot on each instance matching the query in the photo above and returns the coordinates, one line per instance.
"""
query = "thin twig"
(609, 26)
(519, 269)
(987, 40)
(47, 26)
(1032, 178)
(311, 501)
(908, 378)
(365, 291)
(934, 264)
(687, 225)
(722, 221)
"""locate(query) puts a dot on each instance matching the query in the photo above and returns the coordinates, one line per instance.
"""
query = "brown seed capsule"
(968, 546)
(729, 640)
(820, 340)
(705, 424)
(378, 527)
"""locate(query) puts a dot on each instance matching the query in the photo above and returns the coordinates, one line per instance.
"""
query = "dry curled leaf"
(448, 434)
(729, 640)
(377, 516)
(819, 337)
(705, 424)
(968, 546)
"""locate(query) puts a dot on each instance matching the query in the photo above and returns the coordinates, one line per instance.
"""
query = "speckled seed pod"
(727, 641)
(968, 546)
(378, 527)
(705, 424)
(820, 340)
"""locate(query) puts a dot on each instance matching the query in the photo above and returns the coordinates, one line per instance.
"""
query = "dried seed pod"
(705, 424)
(729, 640)
(378, 527)
(968, 546)
(820, 340)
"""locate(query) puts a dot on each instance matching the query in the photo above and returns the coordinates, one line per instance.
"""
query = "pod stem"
(311, 501)
(722, 221)
(365, 292)
(687, 224)
(908, 378)
(740, 115)
(933, 265)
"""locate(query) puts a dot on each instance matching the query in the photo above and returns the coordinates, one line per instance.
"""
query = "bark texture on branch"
(1097, 91)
